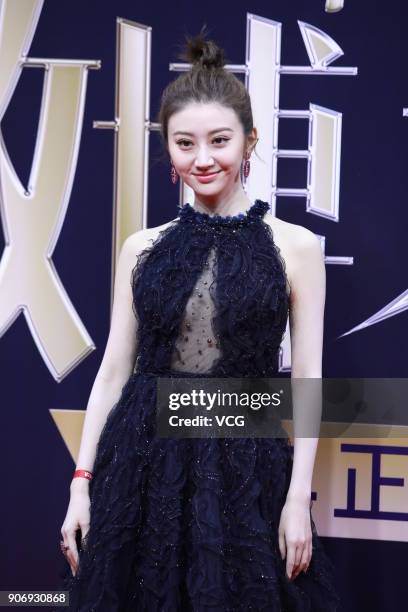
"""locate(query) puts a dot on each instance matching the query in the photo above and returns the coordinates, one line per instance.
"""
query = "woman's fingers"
(309, 557)
(299, 552)
(290, 558)
(297, 555)
(72, 552)
(68, 555)
(295, 537)
(282, 544)
(303, 561)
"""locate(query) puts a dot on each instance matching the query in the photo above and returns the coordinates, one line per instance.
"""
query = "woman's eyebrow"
(212, 131)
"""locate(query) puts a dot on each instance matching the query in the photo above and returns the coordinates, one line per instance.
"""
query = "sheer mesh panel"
(197, 347)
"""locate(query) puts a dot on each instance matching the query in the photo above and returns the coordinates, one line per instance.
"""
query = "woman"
(200, 524)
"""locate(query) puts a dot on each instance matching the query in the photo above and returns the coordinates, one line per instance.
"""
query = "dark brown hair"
(206, 81)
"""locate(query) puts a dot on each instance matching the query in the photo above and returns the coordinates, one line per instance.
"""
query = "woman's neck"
(229, 205)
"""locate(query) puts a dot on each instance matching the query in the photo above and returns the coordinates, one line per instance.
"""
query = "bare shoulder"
(295, 242)
(142, 239)
(291, 235)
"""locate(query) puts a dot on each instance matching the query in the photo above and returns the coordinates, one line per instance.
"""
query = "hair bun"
(202, 52)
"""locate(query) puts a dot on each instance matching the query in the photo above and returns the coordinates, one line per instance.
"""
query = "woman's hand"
(77, 518)
(295, 535)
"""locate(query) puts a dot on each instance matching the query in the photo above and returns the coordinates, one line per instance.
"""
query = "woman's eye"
(217, 140)
(183, 142)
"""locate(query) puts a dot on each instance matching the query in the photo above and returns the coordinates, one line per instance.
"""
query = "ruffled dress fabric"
(192, 524)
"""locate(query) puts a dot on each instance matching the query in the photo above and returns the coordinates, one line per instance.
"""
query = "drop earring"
(173, 174)
(247, 165)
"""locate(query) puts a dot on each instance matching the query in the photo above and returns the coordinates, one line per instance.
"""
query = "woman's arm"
(118, 359)
(117, 364)
(307, 302)
(308, 294)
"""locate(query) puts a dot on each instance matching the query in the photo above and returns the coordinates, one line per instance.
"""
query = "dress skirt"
(181, 525)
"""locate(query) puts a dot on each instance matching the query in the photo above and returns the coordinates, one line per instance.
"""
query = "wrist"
(80, 480)
(299, 495)
(79, 484)
(81, 473)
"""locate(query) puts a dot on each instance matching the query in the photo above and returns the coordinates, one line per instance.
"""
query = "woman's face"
(207, 145)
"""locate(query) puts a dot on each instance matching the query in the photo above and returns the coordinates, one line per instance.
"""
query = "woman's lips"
(206, 178)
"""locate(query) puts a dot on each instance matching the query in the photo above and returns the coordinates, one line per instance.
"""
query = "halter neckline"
(258, 209)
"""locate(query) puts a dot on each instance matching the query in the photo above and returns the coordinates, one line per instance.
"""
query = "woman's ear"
(252, 139)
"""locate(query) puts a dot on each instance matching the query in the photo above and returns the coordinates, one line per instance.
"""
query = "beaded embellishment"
(257, 210)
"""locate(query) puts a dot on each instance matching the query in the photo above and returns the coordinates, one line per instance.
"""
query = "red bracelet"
(83, 474)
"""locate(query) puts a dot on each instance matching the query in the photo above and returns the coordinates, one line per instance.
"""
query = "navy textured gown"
(192, 524)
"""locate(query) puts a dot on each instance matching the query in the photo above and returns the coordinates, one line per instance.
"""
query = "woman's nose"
(204, 158)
